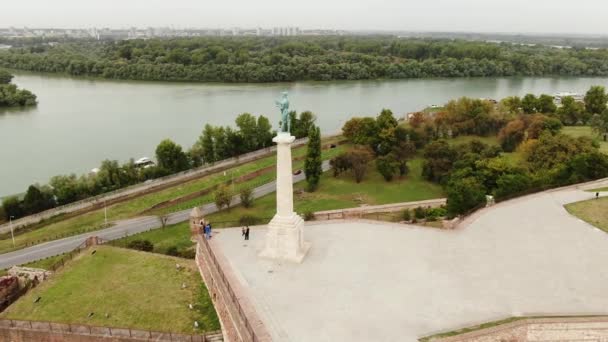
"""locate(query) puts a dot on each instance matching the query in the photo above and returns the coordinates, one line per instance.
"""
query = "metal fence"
(83, 329)
(204, 245)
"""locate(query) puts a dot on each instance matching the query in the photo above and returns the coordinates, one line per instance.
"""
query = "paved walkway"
(121, 229)
(387, 282)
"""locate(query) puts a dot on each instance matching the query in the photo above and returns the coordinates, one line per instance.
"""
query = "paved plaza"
(372, 281)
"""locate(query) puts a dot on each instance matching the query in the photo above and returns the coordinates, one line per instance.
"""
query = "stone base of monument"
(285, 239)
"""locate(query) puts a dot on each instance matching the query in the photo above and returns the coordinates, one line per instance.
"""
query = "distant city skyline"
(488, 16)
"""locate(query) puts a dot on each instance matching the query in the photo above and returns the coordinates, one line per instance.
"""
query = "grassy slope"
(177, 235)
(137, 290)
(344, 192)
(593, 211)
(93, 220)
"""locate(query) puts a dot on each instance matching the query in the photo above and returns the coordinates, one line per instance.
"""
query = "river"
(79, 122)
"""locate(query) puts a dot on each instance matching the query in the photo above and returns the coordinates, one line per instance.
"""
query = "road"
(121, 229)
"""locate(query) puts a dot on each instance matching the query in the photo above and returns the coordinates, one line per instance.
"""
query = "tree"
(539, 123)
(529, 104)
(222, 197)
(301, 127)
(571, 112)
(361, 131)
(171, 157)
(359, 159)
(387, 166)
(403, 152)
(512, 135)
(264, 132)
(5, 77)
(510, 184)
(207, 145)
(36, 201)
(464, 194)
(595, 100)
(248, 129)
(12, 207)
(545, 104)
(313, 163)
(599, 123)
(439, 158)
(67, 189)
(511, 105)
(246, 196)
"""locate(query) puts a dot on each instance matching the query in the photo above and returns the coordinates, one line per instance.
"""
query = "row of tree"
(263, 59)
(11, 96)
(214, 144)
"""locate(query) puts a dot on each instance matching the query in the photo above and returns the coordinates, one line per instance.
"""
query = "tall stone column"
(285, 235)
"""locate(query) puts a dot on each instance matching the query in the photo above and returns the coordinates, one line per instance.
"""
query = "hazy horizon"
(498, 16)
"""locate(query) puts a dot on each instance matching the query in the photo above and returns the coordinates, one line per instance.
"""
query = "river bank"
(80, 122)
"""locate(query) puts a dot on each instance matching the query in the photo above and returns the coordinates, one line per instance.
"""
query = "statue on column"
(283, 105)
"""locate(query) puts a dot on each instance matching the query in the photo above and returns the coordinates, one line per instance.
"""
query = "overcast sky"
(548, 16)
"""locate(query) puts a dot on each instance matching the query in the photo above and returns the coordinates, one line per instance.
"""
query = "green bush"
(141, 245)
(309, 216)
(248, 220)
(172, 251)
(433, 214)
(246, 195)
(406, 215)
(189, 253)
(419, 213)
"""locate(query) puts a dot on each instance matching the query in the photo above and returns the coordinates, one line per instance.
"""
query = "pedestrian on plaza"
(243, 231)
(206, 231)
(201, 226)
(246, 233)
(209, 235)
(597, 195)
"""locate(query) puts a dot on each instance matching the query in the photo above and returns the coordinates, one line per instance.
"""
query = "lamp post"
(10, 223)
(105, 213)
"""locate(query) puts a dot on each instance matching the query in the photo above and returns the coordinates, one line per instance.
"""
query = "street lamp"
(10, 223)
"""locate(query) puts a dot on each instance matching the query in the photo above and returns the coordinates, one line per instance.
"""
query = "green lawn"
(342, 192)
(593, 211)
(598, 189)
(462, 139)
(135, 289)
(585, 131)
(177, 235)
(58, 227)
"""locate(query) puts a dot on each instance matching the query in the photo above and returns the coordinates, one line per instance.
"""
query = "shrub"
(465, 194)
(248, 220)
(187, 253)
(246, 195)
(309, 215)
(406, 215)
(433, 214)
(419, 213)
(141, 245)
(172, 251)
(387, 166)
(222, 197)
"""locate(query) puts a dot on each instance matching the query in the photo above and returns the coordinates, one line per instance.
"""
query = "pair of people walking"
(245, 232)
(206, 229)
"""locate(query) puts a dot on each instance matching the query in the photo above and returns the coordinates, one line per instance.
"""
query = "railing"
(226, 284)
(83, 329)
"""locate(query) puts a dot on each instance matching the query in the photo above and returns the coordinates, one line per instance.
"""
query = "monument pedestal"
(285, 235)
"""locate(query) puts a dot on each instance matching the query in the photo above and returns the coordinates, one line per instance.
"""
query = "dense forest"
(264, 59)
(11, 96)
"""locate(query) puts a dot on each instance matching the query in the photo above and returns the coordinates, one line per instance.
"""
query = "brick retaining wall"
(237, 316)
(358, 212)
(27, 331)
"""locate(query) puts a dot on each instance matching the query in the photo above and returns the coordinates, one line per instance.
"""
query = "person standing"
(206, 231)
(209, 230)
(246, 233)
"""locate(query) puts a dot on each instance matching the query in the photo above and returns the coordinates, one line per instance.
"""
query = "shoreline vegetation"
(12, 97)
(263, 59)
